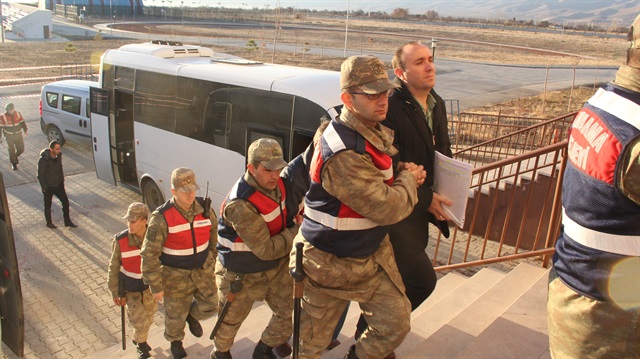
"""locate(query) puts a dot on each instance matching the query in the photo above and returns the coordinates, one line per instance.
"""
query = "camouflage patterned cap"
(136, 210)
(9, 107)
(367, 73)
(184, 180)
(268, 152)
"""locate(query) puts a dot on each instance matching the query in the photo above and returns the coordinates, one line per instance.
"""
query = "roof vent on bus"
(235, 60)
(168, 49)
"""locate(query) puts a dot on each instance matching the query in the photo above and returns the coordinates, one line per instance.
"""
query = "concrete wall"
(32, 26)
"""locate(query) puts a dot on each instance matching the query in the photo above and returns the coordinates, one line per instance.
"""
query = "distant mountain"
(538, 10)
(601, 11)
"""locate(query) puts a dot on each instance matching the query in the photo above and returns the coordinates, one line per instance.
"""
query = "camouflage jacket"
(154, 240)
(357, 182)
(253, 230)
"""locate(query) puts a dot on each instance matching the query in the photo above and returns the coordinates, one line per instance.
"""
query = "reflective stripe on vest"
(186, 243)
(612, 243)
(332, 226)
(337, 223)
(620, 107)
(233, 253)
(185, 252)
(273, 213)
(130, 271)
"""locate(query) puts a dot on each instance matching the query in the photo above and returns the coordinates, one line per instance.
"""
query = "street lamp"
(433, 48)
(182, 11)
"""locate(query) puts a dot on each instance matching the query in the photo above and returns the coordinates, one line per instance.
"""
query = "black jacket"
(50, 172)
(297, 181)
(415, 141)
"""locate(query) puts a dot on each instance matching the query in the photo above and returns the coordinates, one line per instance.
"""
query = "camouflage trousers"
(274, 286)
(141, 306)
(581, 327)
(187, 292)
(387, 314)
(15, 145)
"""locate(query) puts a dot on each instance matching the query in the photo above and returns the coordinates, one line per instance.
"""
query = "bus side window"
(217, 117)
(155, 100)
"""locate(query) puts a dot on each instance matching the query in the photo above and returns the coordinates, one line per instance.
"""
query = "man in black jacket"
(51, 178)
(419, 119)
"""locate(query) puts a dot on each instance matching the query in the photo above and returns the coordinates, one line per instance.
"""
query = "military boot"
(220, 355)
(283, 350)
(178, 350)
(194, 326)
(263, 351)
(142, 349)
(351, 354)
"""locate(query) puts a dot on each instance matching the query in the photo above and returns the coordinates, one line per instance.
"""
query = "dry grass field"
(455, 42)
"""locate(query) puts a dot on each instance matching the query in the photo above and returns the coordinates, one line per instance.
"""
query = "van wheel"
(152, 195)
(53, 134)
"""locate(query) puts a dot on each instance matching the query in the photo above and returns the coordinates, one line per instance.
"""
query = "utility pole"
(346, 31)
(1, 27)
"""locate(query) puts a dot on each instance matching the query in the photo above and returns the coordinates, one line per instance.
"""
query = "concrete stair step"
(444, 286)
(468, 324)
(520, 332)
(195, 347)
(439, 314)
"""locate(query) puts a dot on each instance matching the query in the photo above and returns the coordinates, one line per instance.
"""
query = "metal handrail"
(518, 141)
(513, 213)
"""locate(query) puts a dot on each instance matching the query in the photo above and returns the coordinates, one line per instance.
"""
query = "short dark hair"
(53, 144)
(397, 61)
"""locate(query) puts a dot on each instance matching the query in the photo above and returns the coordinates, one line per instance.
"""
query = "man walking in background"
(51, 178)
(12, 124)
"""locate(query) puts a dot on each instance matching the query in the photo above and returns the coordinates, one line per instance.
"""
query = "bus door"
(11, 306)
(101, 134)
(125, 159)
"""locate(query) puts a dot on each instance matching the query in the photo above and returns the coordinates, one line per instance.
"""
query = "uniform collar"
(380, 137)
(134, 241)
(251, 181)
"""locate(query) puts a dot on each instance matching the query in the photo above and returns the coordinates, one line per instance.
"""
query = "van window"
(71, 104)
(52, 99)
(87, 108)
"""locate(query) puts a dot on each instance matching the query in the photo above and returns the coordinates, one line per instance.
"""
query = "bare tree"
(431, 15)
(400, 13)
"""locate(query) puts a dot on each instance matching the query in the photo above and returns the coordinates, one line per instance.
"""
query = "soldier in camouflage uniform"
(352, 200)
(593, 308)
(254, 241)
(125, 279)
(178, 259)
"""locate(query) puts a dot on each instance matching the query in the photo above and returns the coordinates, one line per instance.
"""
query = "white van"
(64, 111)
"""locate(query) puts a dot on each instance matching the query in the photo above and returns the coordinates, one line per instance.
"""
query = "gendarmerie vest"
(187, 244)
(233, 253)
(12, 124)
(130, 273)
(330, 225)
(600, 225)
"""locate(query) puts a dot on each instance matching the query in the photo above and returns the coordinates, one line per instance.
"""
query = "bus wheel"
(152, 195)
(53, 134)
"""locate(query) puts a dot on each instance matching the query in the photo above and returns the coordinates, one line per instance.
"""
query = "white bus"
(166, 105)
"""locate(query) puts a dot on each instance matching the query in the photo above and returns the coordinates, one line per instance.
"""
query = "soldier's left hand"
(25, 133)
(120, 301)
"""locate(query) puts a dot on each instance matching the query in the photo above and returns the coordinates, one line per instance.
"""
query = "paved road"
(473, 84)
(68, 310)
